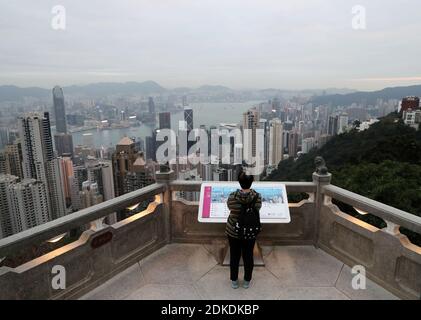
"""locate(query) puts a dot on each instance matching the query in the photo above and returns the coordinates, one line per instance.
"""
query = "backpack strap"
(253, 202)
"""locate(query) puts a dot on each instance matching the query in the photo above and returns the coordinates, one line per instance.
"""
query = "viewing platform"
(163, 252)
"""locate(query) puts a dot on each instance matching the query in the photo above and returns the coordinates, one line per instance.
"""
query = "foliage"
(382, 163)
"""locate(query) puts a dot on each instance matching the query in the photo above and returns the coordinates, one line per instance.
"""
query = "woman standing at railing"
(242, 227)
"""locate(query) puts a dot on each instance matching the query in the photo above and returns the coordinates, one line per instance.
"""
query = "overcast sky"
(292, 44)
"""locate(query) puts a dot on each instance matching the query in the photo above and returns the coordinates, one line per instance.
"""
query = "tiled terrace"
(189, 271)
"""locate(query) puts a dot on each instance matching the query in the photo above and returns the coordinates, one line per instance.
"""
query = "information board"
(214, 195)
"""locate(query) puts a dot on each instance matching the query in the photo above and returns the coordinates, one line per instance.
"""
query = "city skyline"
(289, 45)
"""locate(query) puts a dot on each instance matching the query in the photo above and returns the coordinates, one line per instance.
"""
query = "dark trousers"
(240, 248)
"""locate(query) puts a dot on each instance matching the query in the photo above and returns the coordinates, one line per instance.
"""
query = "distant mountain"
(111, 88)
(13, 93)
(368, 98)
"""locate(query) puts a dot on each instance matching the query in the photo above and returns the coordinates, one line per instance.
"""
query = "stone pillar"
(166, 177)
(320, 180)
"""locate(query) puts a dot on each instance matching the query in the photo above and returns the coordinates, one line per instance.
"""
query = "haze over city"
(241, 44)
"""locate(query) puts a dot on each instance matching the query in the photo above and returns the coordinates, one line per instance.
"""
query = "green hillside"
(382, 163)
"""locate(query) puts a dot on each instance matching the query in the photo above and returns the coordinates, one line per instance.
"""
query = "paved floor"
(187, 271)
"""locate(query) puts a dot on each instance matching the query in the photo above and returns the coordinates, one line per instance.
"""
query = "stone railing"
(96, 256)
(101, 253)
(387, 255)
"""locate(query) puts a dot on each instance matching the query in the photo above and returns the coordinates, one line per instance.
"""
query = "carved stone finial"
(321, 168)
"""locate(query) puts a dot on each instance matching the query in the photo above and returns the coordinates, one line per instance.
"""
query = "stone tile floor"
(188, 271)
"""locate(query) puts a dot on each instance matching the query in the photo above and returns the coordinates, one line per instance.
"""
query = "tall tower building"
(13, 159)
(293, 144)
(164, 120)
(28, 204)
(38, 159)
(64, 144)
(63, 141)
(276, 146)
(251, 120)
(123, 160)
(59, 110)
(90, 194)
(141, 176)
(151, 106)
(188, 118)
(101, 172)
(6, 226)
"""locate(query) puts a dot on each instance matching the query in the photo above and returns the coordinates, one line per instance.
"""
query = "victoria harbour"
(207, 114)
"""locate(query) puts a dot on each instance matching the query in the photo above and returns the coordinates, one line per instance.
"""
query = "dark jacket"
(235, 200)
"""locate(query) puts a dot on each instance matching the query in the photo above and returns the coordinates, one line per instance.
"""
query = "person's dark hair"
(245, 180)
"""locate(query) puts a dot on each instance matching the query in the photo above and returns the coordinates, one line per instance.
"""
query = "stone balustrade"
(100, 253)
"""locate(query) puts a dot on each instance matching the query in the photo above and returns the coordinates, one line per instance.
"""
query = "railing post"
(320, 180)
(166, 176)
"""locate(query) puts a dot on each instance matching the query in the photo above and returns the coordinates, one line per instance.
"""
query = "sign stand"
(257, 254)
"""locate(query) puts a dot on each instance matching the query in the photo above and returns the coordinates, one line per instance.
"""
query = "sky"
(288, 44)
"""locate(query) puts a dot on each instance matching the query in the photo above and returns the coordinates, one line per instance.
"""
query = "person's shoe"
(246, 284)
(234, 284)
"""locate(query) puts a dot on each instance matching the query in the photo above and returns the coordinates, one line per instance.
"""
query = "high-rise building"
(13, 159)
(265, 126)
(4, 137)
(6, 226)
(307, 145)
(276, 148)
(407, 103)
(293, 144)
(151, 147)
(184, 101)
(90, 194)
(59, 110)
(251, 120)
(164, 120)
(123, 159)
(151, 106)
(38, 160)
(28, 204)
(188, 119)
(64, 144)
(342, 123)
(141, 175)
(333, 125)
(101, 172)
(2, 163)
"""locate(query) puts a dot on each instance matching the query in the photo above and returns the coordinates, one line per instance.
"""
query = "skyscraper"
(276, 148)
(123, 159)
(28, 204)
(188, 118)
(141, 175)
(63, 141)
(151, 146)
(164, 120)
(59, 110)
(293, 144)
(151, 106)
(64, 144)
(6, 227)
(13, 159)
(251, 121)
(38, 159)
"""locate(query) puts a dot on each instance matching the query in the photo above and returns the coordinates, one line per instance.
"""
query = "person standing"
(242, 243)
